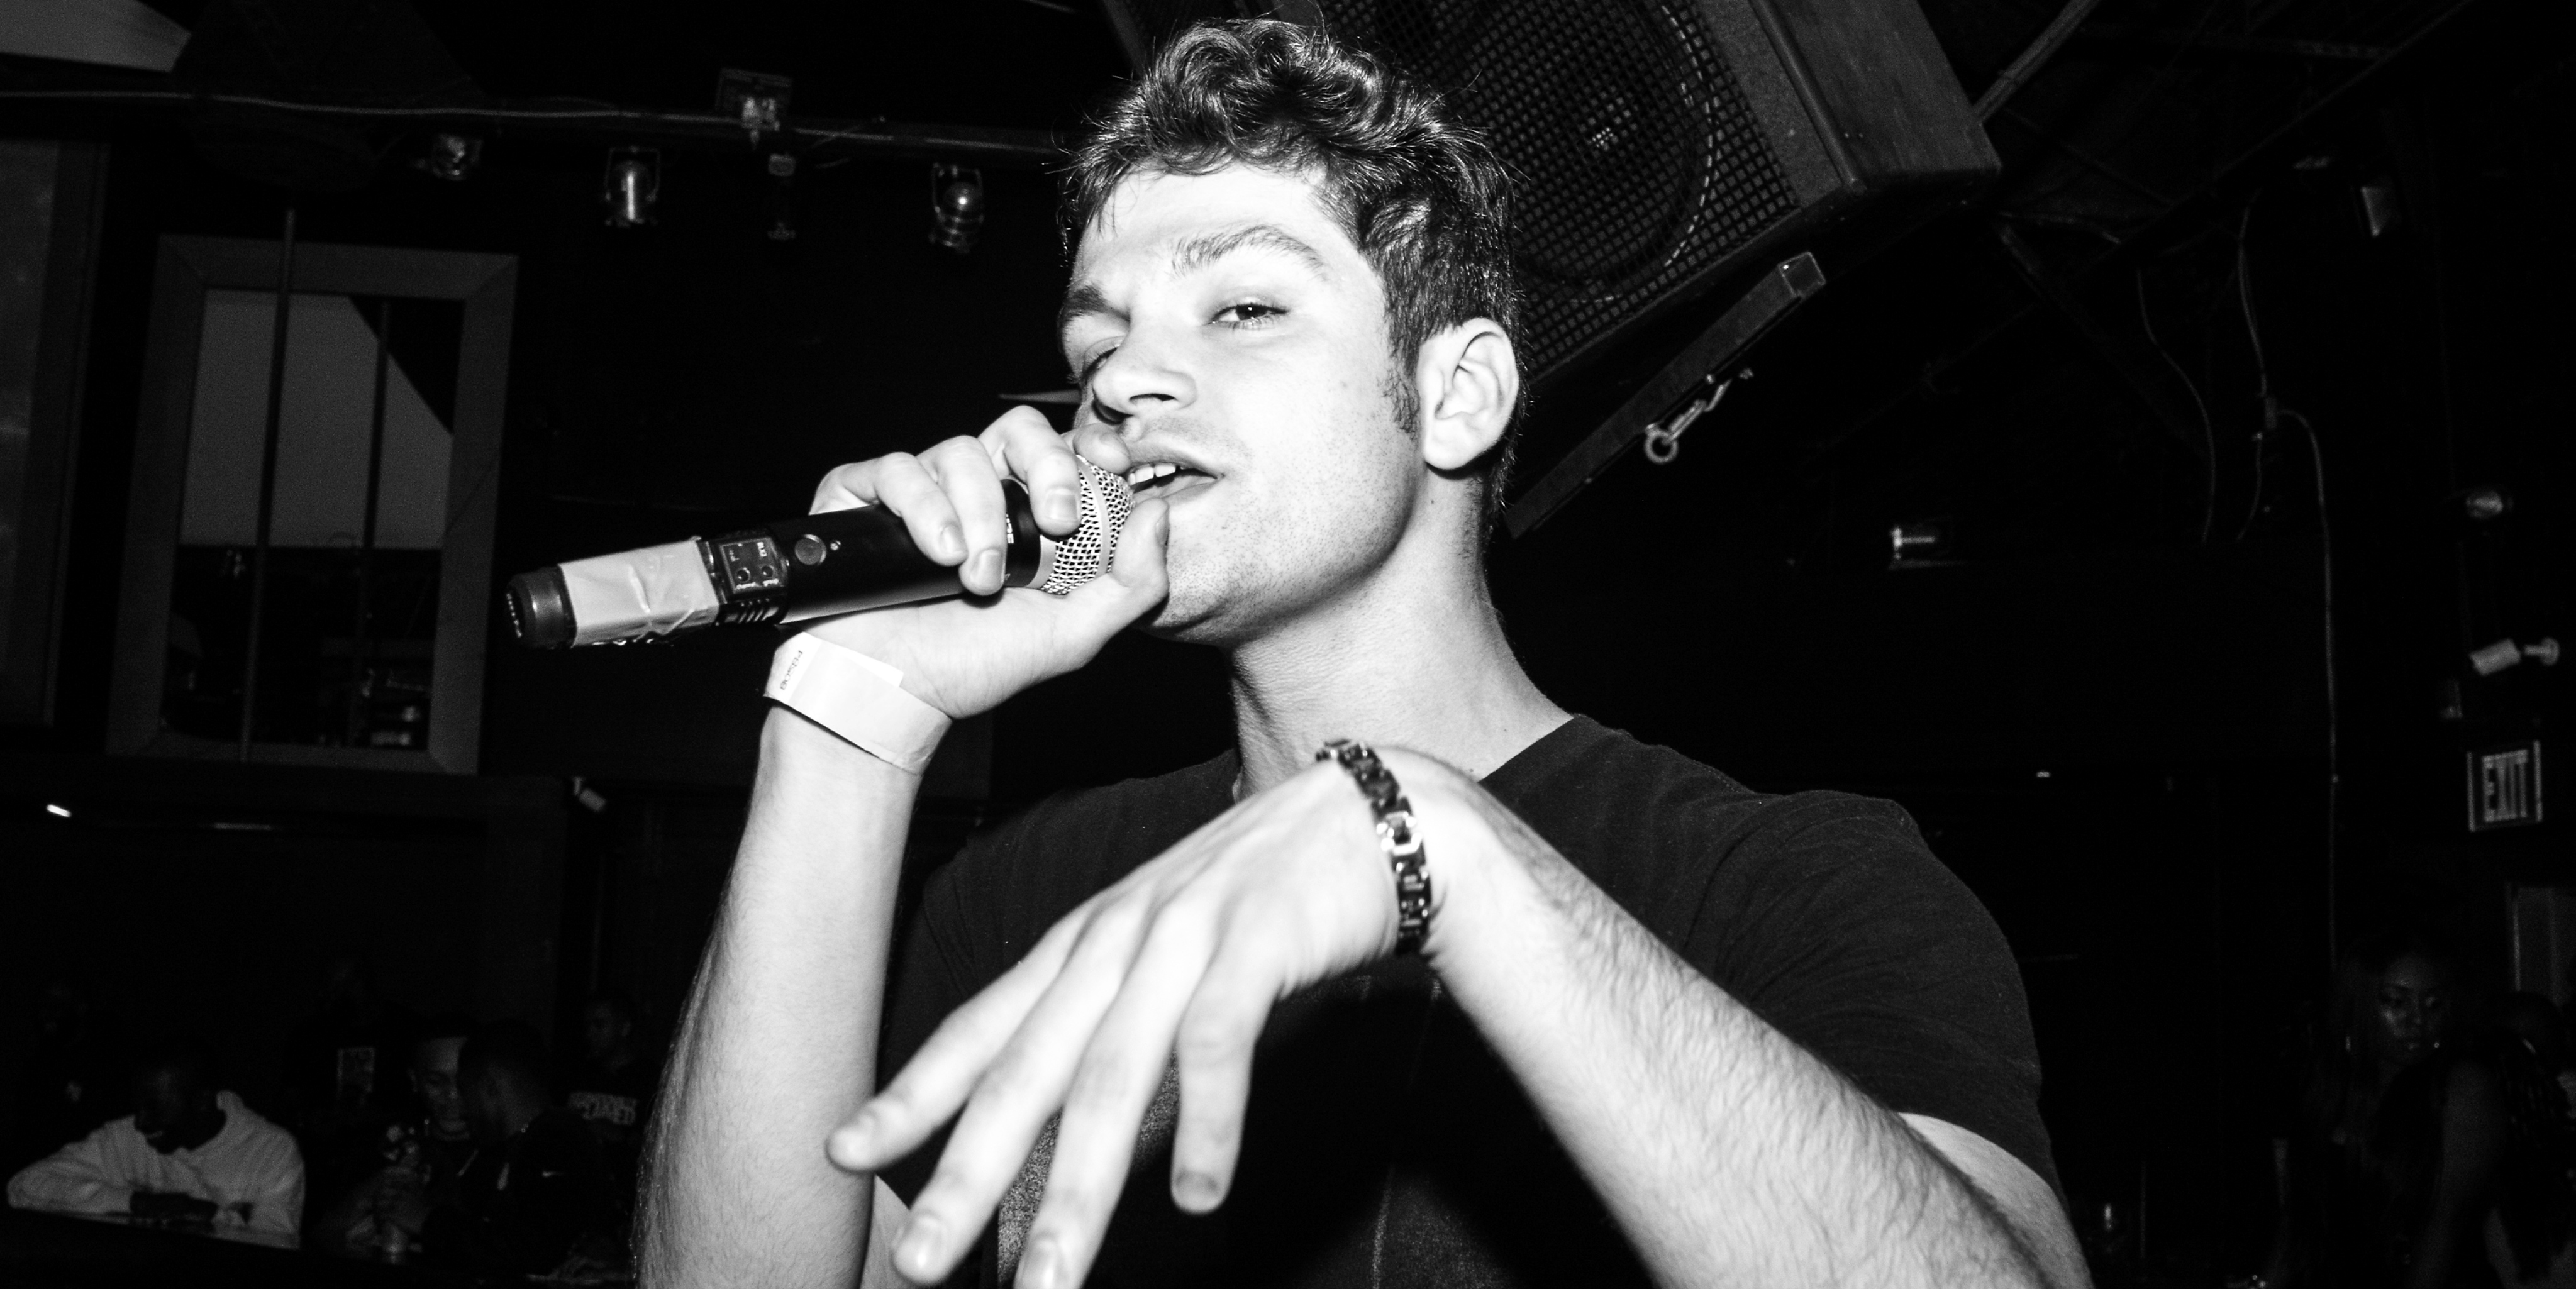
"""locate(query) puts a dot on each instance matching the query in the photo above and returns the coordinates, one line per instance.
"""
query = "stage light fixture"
(452, 157)
(756, 99)
(633, 186)
(956, 207)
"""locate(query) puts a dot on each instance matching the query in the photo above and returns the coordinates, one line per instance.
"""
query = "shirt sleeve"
(1849, 937)
(277, 1205)
(82, 1177)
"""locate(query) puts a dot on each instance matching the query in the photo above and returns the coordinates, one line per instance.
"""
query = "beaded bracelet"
(1395, 835)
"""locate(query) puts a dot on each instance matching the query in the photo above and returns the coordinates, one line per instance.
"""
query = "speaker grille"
(1641, 164)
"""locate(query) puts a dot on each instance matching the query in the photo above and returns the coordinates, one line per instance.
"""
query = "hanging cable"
(2262, 371)
(2273, 415)
(2334, 740)
(2208, 432)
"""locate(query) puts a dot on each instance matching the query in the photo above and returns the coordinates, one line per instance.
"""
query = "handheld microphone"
(811, 566)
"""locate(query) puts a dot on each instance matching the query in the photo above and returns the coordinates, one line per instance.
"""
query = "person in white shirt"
(189, 1152)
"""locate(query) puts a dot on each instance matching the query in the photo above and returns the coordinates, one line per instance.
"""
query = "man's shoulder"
(253, 1132)
(1610, 781)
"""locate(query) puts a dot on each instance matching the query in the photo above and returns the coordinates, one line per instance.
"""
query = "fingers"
(1120, 1073)
(1214, 1051)
(1136, 580)
(950, 499)
(973, 490)
(902, 484)
(939, 1077)
(1016, 1094)
(1101, 446)
(1027, 447)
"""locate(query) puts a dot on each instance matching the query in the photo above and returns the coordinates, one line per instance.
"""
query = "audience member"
(537, 1193)
(612, 1086)
(2405, 1131)
(2535, 1206)
(189, 1154)
(420, 1156)
(341, 1061)
(67, 1081)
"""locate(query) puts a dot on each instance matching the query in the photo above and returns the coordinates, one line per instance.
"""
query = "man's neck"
(1411, 661)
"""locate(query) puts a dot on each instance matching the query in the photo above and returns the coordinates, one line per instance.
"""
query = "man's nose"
(1144, 377)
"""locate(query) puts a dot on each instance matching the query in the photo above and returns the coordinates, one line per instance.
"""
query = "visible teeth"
(1149, 472)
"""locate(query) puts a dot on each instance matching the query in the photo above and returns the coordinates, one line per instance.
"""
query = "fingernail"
(952, 542)
(919, 1248)
(1195, 1191)
(1063, 507)
(857, 1135)
(1043, 1266)
(988, 568)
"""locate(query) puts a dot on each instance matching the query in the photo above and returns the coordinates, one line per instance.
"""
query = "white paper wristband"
(860, 698)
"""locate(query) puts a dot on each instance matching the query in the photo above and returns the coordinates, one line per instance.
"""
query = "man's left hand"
(1180, 962)
(170, 1206)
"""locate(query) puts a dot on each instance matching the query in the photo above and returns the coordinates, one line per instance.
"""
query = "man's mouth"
(1163, 478)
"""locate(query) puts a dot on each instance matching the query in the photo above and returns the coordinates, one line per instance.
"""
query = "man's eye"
(1237, 315)
(1091, 366)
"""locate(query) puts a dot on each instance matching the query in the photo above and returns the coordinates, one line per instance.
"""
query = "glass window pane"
(351, 608)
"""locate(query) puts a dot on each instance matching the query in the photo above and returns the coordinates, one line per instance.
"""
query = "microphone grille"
(1085, 555)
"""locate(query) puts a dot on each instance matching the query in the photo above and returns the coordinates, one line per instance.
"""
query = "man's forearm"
(1726, 1152)
(780, 1038)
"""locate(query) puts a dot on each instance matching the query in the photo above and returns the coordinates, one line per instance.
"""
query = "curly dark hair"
(1423, 197)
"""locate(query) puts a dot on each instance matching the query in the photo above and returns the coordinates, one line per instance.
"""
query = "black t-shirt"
(1385, 1143)
(526, 1205)
(618, 1103)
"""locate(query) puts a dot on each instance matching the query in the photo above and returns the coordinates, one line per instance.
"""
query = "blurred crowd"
(390, 1136)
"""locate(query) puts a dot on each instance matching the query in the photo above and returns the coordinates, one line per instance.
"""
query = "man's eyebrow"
(1086, 298)
(1207, 248)
(1080, 300)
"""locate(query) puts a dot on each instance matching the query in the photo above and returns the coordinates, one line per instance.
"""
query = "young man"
(1657, 1028)
(190, 1153)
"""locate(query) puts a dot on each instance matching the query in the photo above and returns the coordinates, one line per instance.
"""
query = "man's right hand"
(965, 656)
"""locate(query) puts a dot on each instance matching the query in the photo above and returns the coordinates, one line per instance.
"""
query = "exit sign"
(2504, 786)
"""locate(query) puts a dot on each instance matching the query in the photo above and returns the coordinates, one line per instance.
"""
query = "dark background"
(2106, 700)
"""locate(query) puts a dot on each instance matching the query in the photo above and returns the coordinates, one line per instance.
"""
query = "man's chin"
(1187, 618)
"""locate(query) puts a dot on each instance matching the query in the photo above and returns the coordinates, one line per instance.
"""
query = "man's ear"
(1469, 381)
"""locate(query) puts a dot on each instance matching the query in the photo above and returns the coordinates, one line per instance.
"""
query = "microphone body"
(812, 566)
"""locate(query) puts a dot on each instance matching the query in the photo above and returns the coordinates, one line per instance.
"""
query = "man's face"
(487, 1109)
(603, 1027)
(167, 1106)
(433, 1076)
(1232, 331)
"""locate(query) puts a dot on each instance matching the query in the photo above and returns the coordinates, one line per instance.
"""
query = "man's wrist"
(1460, 846)
(793, 741)
(856, 696)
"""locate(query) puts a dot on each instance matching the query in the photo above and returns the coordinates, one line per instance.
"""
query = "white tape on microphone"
(650, 592)
(859, 698)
